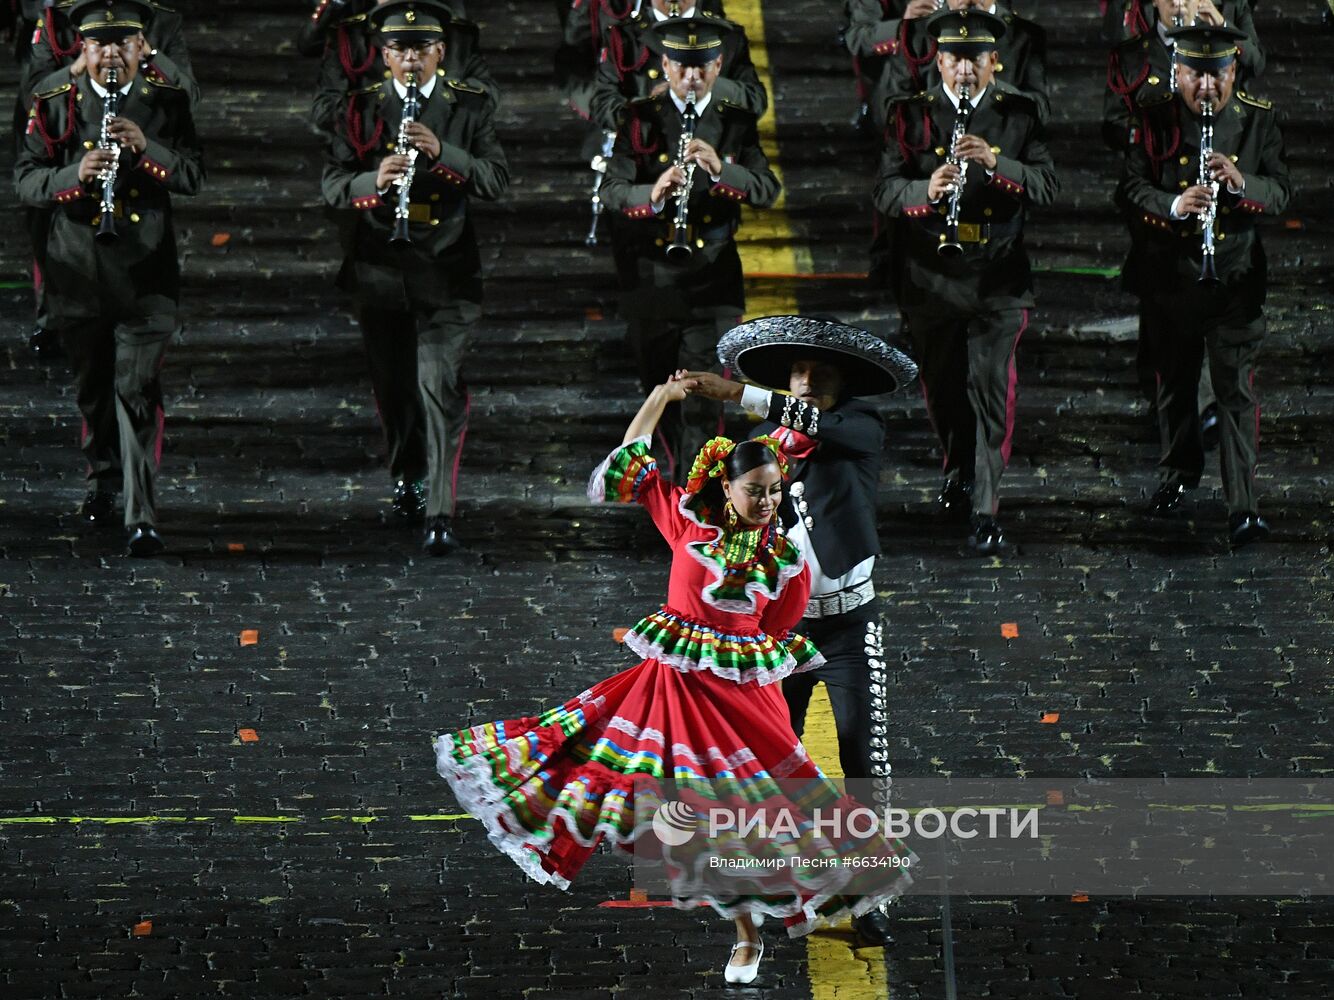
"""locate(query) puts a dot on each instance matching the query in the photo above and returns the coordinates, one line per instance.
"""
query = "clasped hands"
(687, 383)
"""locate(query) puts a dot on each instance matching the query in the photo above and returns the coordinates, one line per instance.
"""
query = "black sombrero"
(764, 350)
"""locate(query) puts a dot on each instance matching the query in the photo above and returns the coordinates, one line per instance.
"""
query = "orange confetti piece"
(235, 547)
(1293, 224)
(1010, 630)
(250, 637)
(1055, 797)
(221, 239)
(1079, 897)
(618, 634)
(638, 896)
(1051, 717)
(143, 928)
(593, 313)
(248, 735)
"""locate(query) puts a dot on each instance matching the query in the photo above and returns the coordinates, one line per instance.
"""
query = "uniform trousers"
(968, 378)
(1186, 330)
(116, 370)
(661, 346)
(854, 675)
(416, 367)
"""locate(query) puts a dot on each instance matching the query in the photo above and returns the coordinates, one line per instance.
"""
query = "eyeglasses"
(106, 44)
(400, 51)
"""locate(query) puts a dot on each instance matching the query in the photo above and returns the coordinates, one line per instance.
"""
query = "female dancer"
(701, 716)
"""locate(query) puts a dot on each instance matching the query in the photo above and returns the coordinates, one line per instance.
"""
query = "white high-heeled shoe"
(741, 975)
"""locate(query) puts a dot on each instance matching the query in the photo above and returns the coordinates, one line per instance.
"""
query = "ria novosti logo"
(674, 823)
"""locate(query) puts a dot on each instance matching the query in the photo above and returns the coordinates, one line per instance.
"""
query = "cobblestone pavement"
(215, 768)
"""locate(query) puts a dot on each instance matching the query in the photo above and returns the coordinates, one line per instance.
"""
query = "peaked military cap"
(415, 22)
(110, 18)
(690, 41)
(967, 32)
(1206, 46)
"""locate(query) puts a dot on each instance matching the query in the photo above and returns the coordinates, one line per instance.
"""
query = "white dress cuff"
(755, 400)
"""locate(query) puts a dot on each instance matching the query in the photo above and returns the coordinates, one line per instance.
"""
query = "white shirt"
(660, 16)
(756, 402)
(973, 100)
(102, 91)
(424, 90)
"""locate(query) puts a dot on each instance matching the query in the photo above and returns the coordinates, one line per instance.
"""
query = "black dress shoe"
(985, 535)
(1166, 498)
(1246, 528)
(956, 501)
(409, 501)
(1209, 427)
(440, 537)
(873, 929)
(45, 344)
(98, 507)
(144, 542)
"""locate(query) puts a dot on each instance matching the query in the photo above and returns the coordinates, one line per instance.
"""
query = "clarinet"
(1177, 22)
(411, 111)
(599, 168)
(1208, 274)
(679, 250)
(949, 239)
(106, 226)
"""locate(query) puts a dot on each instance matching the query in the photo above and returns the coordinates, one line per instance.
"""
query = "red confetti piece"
(1293, 224)
(1055, 797)
(1079, 897)
(248, 735)
(1051, 717)
(143, 928)
(235, 547)
(593, 313)
(618, 634)
(221, 239)
(1010, 630)
(250, 637)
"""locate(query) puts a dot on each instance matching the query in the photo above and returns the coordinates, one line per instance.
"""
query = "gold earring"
(729, 513)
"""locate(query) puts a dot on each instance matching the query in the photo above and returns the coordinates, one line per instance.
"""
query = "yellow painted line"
(838, 971)
(765, 240)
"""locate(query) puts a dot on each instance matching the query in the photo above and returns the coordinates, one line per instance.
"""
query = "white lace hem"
(690, 664)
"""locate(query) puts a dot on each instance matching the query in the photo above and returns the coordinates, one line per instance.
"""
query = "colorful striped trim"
(621, 476)
(690, 646)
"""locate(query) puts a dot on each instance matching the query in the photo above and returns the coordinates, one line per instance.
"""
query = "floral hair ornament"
(776, 447)
(709, 463)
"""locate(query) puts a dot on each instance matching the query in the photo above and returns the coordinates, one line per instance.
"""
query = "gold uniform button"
(708, 218)
(1184, 185)
(653, 74)
(999, 67)
(435, 222)
(88, 144)
(1154, 80)
(134, 216)
(1222, 236)
(699, 243)
(134, 193)
(986, 212)
(1233, 157)
(662, 157)
(435, 197)
(658, 241)
(1184, 160)
(995, 149)
(144, 91)
(940, 150)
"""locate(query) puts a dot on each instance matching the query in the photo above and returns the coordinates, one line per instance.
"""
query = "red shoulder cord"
(637, 145)
(353, 73)
(595, 9)
(915, 63)
(901, 133)
(354, 124)
(1119, 85)
(1140, 23)
(1156, 159)
(56, 50)
(39, 123)
(616, 50)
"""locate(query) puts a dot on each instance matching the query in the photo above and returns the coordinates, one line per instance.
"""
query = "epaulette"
(46, 95)
(164, 83)
(1156, 100)
(738, 108)
(361, 91)
(467, 88)
(1134, 41)
(1006, 94)
(355, 18)
(921, 95)
(1255, 102)
(645, 101)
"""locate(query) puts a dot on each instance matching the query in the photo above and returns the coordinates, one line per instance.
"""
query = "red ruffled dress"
(700, 718)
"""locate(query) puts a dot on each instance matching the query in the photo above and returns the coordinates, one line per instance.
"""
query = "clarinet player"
(682, 235)
(404, 181)
(957, 183)
(1198, 304)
